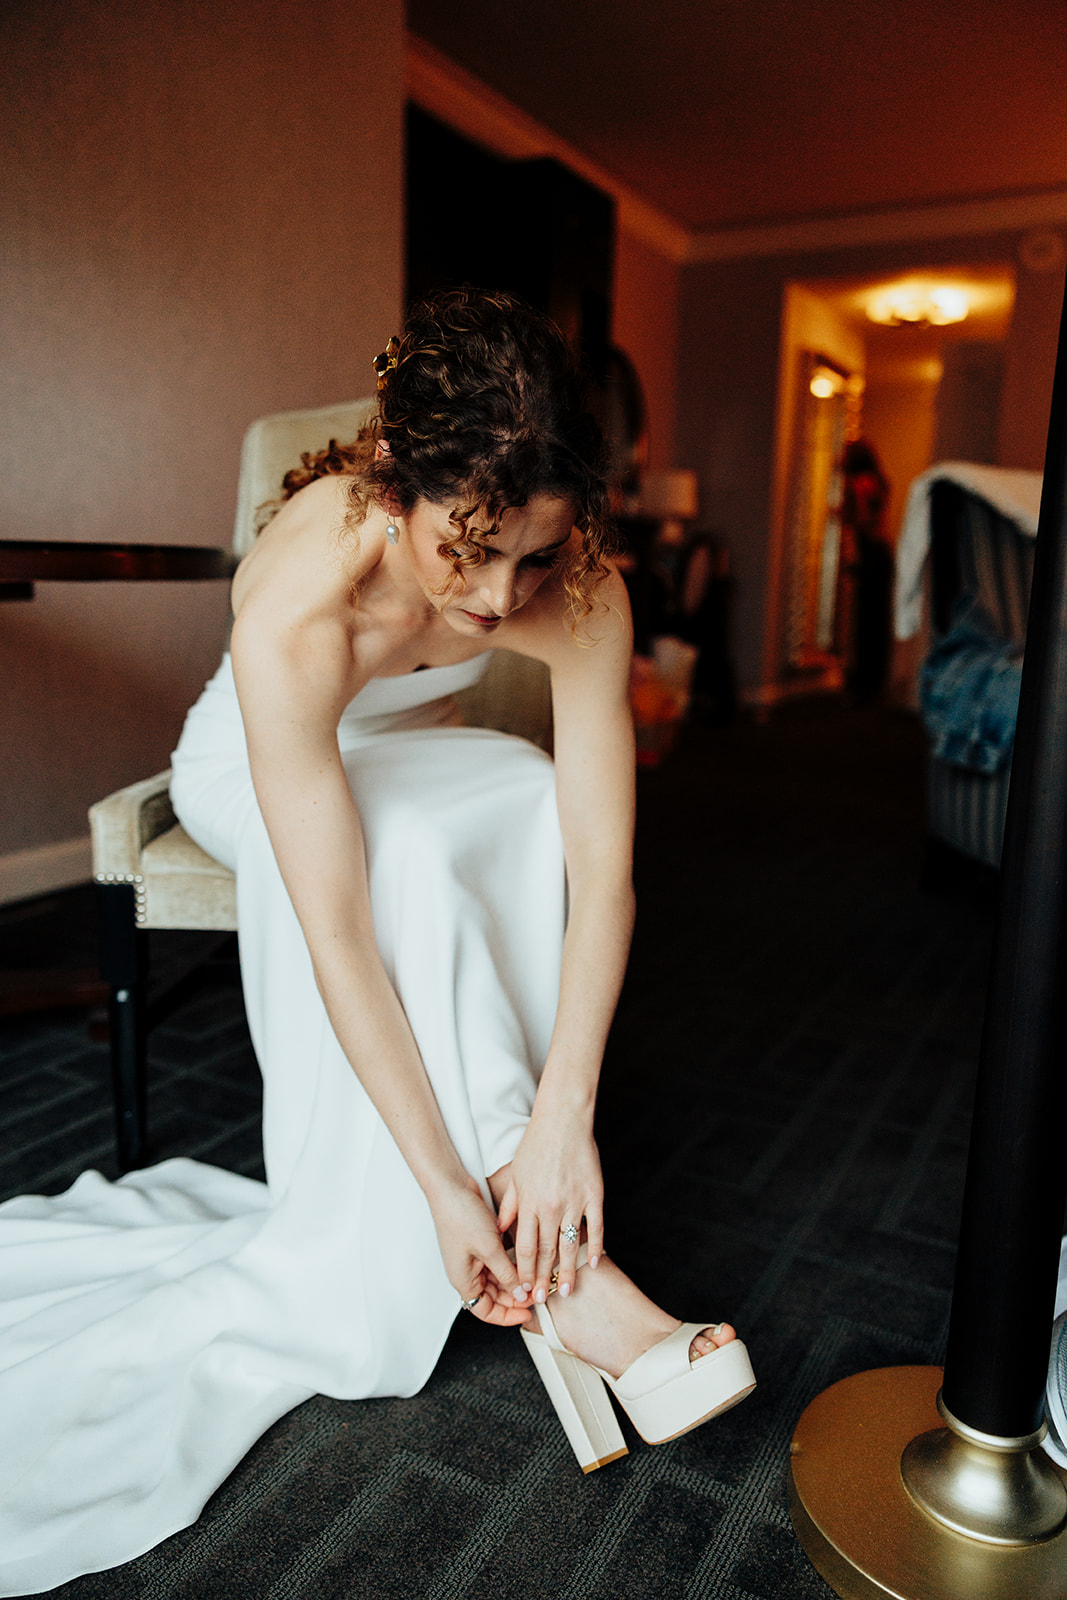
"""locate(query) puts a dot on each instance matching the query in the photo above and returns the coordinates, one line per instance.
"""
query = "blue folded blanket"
(969, 692)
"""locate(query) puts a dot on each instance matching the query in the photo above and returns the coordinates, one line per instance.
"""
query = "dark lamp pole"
(1016, 1187)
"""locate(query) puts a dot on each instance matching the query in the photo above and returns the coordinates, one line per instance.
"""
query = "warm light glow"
(918, 304)
(825, 383)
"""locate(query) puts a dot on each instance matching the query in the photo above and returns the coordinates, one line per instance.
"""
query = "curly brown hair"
(480, 407)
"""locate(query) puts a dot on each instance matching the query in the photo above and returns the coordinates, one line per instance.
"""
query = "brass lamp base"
(860, 1527)
(1006, 1491)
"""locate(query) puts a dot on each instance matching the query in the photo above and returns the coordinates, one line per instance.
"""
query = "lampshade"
(669, 494)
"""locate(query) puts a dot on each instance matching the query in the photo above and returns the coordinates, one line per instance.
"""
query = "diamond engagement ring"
(570, 1233)
(469, 1305)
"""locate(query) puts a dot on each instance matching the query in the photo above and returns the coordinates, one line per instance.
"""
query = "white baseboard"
(46, 867)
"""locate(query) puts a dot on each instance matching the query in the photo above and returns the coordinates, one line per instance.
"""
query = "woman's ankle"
(609, 1322)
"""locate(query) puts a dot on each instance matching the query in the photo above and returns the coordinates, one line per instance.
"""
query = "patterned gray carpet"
(783, 1122)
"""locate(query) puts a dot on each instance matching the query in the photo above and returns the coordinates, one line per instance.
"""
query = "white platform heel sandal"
(663, 1392)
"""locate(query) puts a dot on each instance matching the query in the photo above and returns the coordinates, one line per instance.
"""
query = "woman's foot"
(612, 1337)
(608, 1322)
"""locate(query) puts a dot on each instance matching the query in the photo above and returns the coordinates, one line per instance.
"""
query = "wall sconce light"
(915, 304)
(825, 383)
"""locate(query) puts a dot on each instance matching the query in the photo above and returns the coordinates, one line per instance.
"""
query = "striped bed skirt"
(966, 809)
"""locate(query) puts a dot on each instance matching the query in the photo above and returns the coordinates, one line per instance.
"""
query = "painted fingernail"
(594, 1261)
(564, 1290)
(540, 1297)
(520, 1293)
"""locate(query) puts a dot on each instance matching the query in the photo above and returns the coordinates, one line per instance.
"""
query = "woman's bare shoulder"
(546, 629)
(312, 552)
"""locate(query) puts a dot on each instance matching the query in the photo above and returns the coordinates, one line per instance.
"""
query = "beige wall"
(899, 406)
(1030, 361)
(730, 316)
(645, 326)
(203, 223)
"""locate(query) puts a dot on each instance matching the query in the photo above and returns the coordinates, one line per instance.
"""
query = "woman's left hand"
(554, 1181)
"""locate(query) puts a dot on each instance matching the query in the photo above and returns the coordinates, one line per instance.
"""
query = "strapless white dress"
(154, 1327)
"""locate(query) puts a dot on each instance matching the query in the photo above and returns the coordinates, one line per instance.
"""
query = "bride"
(434, 923)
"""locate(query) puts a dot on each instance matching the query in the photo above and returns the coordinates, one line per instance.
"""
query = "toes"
(711, 1339)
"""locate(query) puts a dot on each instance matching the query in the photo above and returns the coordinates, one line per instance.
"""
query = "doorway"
(917, 391)
(824, 391)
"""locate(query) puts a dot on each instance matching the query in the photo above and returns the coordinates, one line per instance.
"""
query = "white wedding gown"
(154, 1327)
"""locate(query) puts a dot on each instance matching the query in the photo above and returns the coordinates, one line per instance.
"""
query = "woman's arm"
(555, 1177)
(294, 678)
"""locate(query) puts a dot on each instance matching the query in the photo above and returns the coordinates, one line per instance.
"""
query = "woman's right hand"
(474, 1256)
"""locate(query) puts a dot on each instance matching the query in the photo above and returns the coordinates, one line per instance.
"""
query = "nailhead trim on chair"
(140, 913)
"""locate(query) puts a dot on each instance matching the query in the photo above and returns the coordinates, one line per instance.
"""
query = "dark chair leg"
(124, 966)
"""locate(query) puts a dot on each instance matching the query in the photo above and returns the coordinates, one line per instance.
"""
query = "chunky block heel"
(577, 1391)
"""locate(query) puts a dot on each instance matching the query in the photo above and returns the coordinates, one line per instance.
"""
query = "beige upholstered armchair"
(149, 872)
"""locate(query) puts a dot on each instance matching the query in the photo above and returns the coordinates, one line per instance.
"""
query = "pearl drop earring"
(392, 533)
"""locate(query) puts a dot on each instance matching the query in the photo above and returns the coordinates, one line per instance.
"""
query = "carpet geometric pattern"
(783, 1123)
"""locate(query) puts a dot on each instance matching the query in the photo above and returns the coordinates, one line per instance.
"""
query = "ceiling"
(720, 112)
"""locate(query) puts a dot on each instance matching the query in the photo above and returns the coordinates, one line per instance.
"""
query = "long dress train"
(154, 1327)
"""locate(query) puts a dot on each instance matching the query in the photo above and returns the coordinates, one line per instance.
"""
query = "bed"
(966, 550)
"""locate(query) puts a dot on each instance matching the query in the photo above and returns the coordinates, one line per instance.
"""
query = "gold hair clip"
(384, 363)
